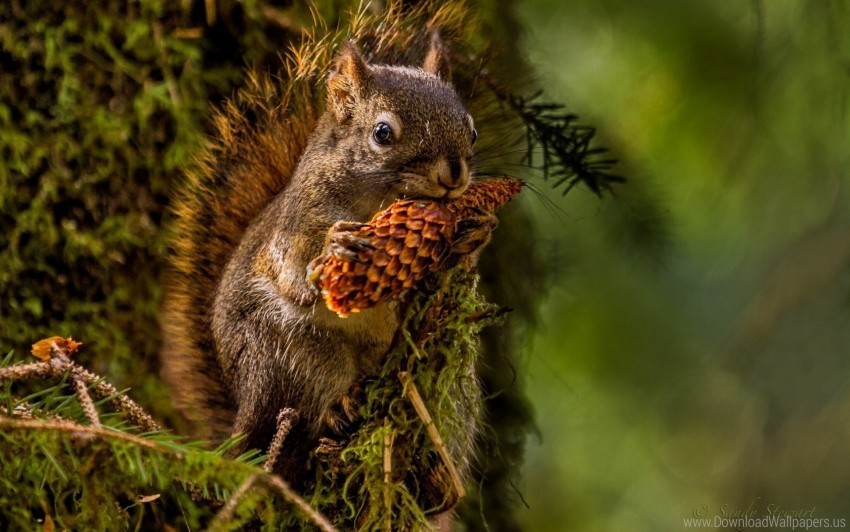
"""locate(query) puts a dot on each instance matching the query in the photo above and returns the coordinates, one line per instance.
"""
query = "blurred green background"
(694, 352)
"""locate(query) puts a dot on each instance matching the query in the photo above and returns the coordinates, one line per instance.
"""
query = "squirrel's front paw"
(345, 240)
(473, 233)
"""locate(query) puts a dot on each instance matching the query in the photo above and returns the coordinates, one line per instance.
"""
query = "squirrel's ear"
(437, 60)
(346, 80)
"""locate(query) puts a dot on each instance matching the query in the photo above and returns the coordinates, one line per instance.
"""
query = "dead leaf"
(41, 349)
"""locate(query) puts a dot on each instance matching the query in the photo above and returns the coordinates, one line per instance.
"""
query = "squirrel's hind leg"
(343, 416)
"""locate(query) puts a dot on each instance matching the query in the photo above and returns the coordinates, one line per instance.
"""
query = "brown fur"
(208, 230)
(245, 336)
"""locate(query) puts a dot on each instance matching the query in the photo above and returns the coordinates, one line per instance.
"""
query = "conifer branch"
(569, 154)
(56, 355)
(274, 482)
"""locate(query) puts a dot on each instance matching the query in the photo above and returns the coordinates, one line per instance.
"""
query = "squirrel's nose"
(452, 174)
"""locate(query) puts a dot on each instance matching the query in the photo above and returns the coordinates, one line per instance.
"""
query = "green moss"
(439, 348)
(85, 137)
(84, 483)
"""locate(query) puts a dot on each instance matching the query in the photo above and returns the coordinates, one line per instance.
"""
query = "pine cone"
(407, 241)
(485, 197)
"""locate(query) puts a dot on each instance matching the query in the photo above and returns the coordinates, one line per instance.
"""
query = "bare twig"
(102, 389)
(36, 370)
(73, 428)
(285, 421)
(285, 490)
(85, 400)
(412, 393)
(277, 484)
(225, 515)
(60, 364)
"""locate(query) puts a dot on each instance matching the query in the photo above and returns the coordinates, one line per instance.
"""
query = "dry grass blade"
(389, 438)
(412, 393)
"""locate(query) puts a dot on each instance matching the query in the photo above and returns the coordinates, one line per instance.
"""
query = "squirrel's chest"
(369, 333)
(378, 324)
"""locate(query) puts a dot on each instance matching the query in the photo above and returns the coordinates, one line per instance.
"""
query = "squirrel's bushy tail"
(258, 137)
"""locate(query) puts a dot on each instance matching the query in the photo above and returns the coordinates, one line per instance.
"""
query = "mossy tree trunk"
(101, 104)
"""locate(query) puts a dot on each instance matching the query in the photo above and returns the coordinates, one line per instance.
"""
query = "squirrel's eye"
(474, 136)
(383, 134)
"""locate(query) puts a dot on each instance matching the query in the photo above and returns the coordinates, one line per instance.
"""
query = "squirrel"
(245, 334)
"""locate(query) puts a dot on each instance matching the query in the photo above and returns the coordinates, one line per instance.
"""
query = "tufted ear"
(346, 81)
(437, 59)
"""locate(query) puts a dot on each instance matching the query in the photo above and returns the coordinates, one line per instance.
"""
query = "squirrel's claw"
(329, 451)
(314, 272)
(335, 421)
(473, 233)
(329, 447)
(351, 249)
(344, 240)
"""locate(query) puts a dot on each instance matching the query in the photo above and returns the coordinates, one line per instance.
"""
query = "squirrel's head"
(404, 127)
